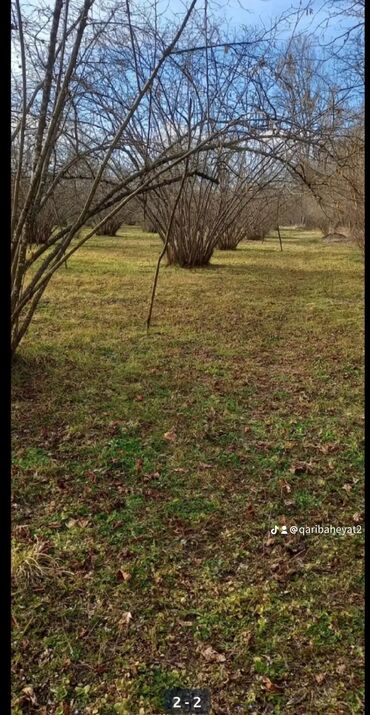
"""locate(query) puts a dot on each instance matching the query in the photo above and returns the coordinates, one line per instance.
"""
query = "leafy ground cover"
(150, 469)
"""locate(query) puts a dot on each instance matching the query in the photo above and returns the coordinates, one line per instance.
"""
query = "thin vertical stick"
(277, 223)
(281, 243)
(165, 245)
(170, 224)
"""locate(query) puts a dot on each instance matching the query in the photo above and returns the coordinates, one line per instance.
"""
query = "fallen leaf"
(212, 656)
(28, 694)
(170, 436)
(320, 677)
(123, 575)
(124, 621)
(301, 468)
(83, 522)
(323, 448)
(151, 477)
(71, 523)
(347, 487)
(271, 687)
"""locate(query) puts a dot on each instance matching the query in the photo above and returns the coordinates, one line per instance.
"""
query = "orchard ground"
(149, 470)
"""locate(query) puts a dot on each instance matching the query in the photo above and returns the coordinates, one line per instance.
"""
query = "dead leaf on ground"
(347, 487)
(124, 621)
(320, 677)
(83, 522)
(326, 448)
(28, 694)
(170, 436)
(212, 656)
(302, 467)
(271, 687)
(151, 477)
(123, 575)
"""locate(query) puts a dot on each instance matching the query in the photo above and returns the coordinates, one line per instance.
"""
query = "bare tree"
(100, 98)
(93, 89)
(57, 139)
(253, 203)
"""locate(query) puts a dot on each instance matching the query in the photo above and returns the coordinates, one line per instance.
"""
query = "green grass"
(255, 366)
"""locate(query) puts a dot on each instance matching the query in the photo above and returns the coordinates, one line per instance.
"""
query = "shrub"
(109, 227)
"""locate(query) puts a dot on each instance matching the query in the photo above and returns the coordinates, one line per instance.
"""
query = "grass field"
(149, 470)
